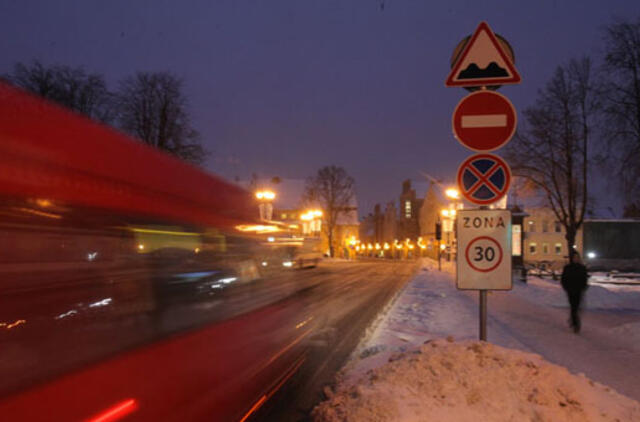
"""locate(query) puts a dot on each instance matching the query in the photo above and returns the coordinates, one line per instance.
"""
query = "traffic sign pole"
(483, 315)
(483, 121)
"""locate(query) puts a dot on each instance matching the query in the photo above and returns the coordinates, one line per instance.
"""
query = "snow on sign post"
(484, 250)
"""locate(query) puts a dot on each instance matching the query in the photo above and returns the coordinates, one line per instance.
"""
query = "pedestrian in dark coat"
(574, 282)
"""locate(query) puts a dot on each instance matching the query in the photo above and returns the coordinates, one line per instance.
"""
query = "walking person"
(574, 282)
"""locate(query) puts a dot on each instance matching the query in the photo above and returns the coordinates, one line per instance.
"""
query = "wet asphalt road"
(346, 299)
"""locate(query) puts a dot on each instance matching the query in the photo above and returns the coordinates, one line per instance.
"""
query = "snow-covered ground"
(398, 374)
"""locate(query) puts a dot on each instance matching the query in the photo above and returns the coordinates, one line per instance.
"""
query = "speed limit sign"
(484, 249)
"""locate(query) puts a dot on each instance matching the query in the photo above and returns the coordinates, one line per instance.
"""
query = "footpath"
(421, 359)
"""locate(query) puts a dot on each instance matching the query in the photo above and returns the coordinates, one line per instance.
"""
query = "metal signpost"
(484, 261)
(483, 121)
(439, 238)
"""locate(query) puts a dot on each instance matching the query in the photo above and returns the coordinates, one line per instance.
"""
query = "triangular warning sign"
(483, 62)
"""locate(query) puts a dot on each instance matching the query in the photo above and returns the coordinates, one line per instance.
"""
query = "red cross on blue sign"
(484, 178)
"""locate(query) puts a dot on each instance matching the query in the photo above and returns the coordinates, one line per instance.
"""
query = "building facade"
(545, 243)
(408, 226)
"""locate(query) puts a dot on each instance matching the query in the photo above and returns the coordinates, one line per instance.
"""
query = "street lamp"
(266, 198)
(450, 215)
(447, 226)
(311, 221)
(266, 195)
(452, 193)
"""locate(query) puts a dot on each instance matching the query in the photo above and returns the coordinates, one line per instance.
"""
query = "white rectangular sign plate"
(484, 250)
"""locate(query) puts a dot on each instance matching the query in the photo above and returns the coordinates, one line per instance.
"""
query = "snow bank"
(473, 381)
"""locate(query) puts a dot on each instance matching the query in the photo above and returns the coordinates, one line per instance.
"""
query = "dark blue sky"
(285, 87)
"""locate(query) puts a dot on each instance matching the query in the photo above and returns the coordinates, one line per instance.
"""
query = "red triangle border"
(514, 79)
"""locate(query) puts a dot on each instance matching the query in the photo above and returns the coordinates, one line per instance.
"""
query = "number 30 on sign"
(484, 249)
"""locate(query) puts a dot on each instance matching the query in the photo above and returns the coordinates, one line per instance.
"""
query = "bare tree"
(551, 148)
(622, 105)
(333, 189)
(70, 87)
(153, 108)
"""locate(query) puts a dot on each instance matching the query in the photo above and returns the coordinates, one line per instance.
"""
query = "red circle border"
(498, 160)
(466, 254)
(481, 92)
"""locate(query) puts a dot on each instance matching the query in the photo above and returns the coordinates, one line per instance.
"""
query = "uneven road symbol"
(483, 62)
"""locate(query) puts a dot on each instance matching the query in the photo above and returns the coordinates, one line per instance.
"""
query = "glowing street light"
(266, 195)
(312, 220)
(452, 193)
(311, 215)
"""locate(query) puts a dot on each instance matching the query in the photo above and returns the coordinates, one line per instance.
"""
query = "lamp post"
(446, 228)
(311, 222)
(266, 198)
(454, 195)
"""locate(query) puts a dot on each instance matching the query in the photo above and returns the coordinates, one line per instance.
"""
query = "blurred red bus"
(129, 288)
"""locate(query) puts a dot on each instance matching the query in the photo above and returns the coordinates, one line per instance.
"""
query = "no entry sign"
(484, 178)
(484, 121)
(484, 247)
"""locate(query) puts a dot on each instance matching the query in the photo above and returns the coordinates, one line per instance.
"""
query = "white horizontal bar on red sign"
(484, 120)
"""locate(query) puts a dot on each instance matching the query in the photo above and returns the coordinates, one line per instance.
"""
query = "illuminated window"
(558, 248)
(532, 226)
(558, 227)
(545, 248)
(283, 216)
(407, 209)
(545, 226)
(516, 240)
(532, 248)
